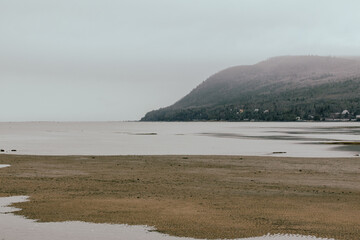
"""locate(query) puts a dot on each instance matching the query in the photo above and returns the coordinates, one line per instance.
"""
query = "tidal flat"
(192, 196)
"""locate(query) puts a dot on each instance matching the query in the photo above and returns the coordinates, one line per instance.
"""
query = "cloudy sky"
(74, 60)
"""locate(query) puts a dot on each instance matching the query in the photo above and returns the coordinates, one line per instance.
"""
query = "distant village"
(303, 113)
(343, 116)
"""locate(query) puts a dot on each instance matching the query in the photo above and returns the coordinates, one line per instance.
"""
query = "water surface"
(297, 139)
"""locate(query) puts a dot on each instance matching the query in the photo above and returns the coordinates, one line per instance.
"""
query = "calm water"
(110, 138)
(303, 139)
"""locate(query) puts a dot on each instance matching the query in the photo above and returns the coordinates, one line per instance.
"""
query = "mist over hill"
(283, 88)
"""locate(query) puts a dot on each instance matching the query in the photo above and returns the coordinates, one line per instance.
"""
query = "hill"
(278, 89)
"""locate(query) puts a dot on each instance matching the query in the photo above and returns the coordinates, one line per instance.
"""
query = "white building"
(345, 112)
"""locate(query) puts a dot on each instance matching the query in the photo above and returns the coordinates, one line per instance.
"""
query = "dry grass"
(193, 196)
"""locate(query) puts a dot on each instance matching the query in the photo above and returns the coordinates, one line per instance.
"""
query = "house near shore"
(345, 112)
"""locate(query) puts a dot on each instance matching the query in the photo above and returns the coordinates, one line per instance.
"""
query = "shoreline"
(191, 195)
(270, 155)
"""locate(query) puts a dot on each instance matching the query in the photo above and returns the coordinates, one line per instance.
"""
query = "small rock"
(13, 150)
(2, 150)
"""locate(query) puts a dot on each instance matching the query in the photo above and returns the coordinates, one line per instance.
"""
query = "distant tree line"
(309, 103)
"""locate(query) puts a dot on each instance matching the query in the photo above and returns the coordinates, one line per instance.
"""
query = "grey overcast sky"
(74, 60)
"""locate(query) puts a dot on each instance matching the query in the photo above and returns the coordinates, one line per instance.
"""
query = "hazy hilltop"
(277, 89)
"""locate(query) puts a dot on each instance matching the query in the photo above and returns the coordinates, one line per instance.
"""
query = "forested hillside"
(279, 89)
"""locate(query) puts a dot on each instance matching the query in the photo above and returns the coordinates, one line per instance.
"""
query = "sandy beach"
(192, 196)
(179, 120)
(17, 227)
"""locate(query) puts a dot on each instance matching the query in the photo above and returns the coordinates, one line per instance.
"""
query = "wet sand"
(192, 196)
(16, 227)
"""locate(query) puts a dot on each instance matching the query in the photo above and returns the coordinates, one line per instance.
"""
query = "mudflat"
(193, 196)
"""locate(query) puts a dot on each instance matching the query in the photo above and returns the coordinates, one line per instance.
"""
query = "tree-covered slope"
(278, 89)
